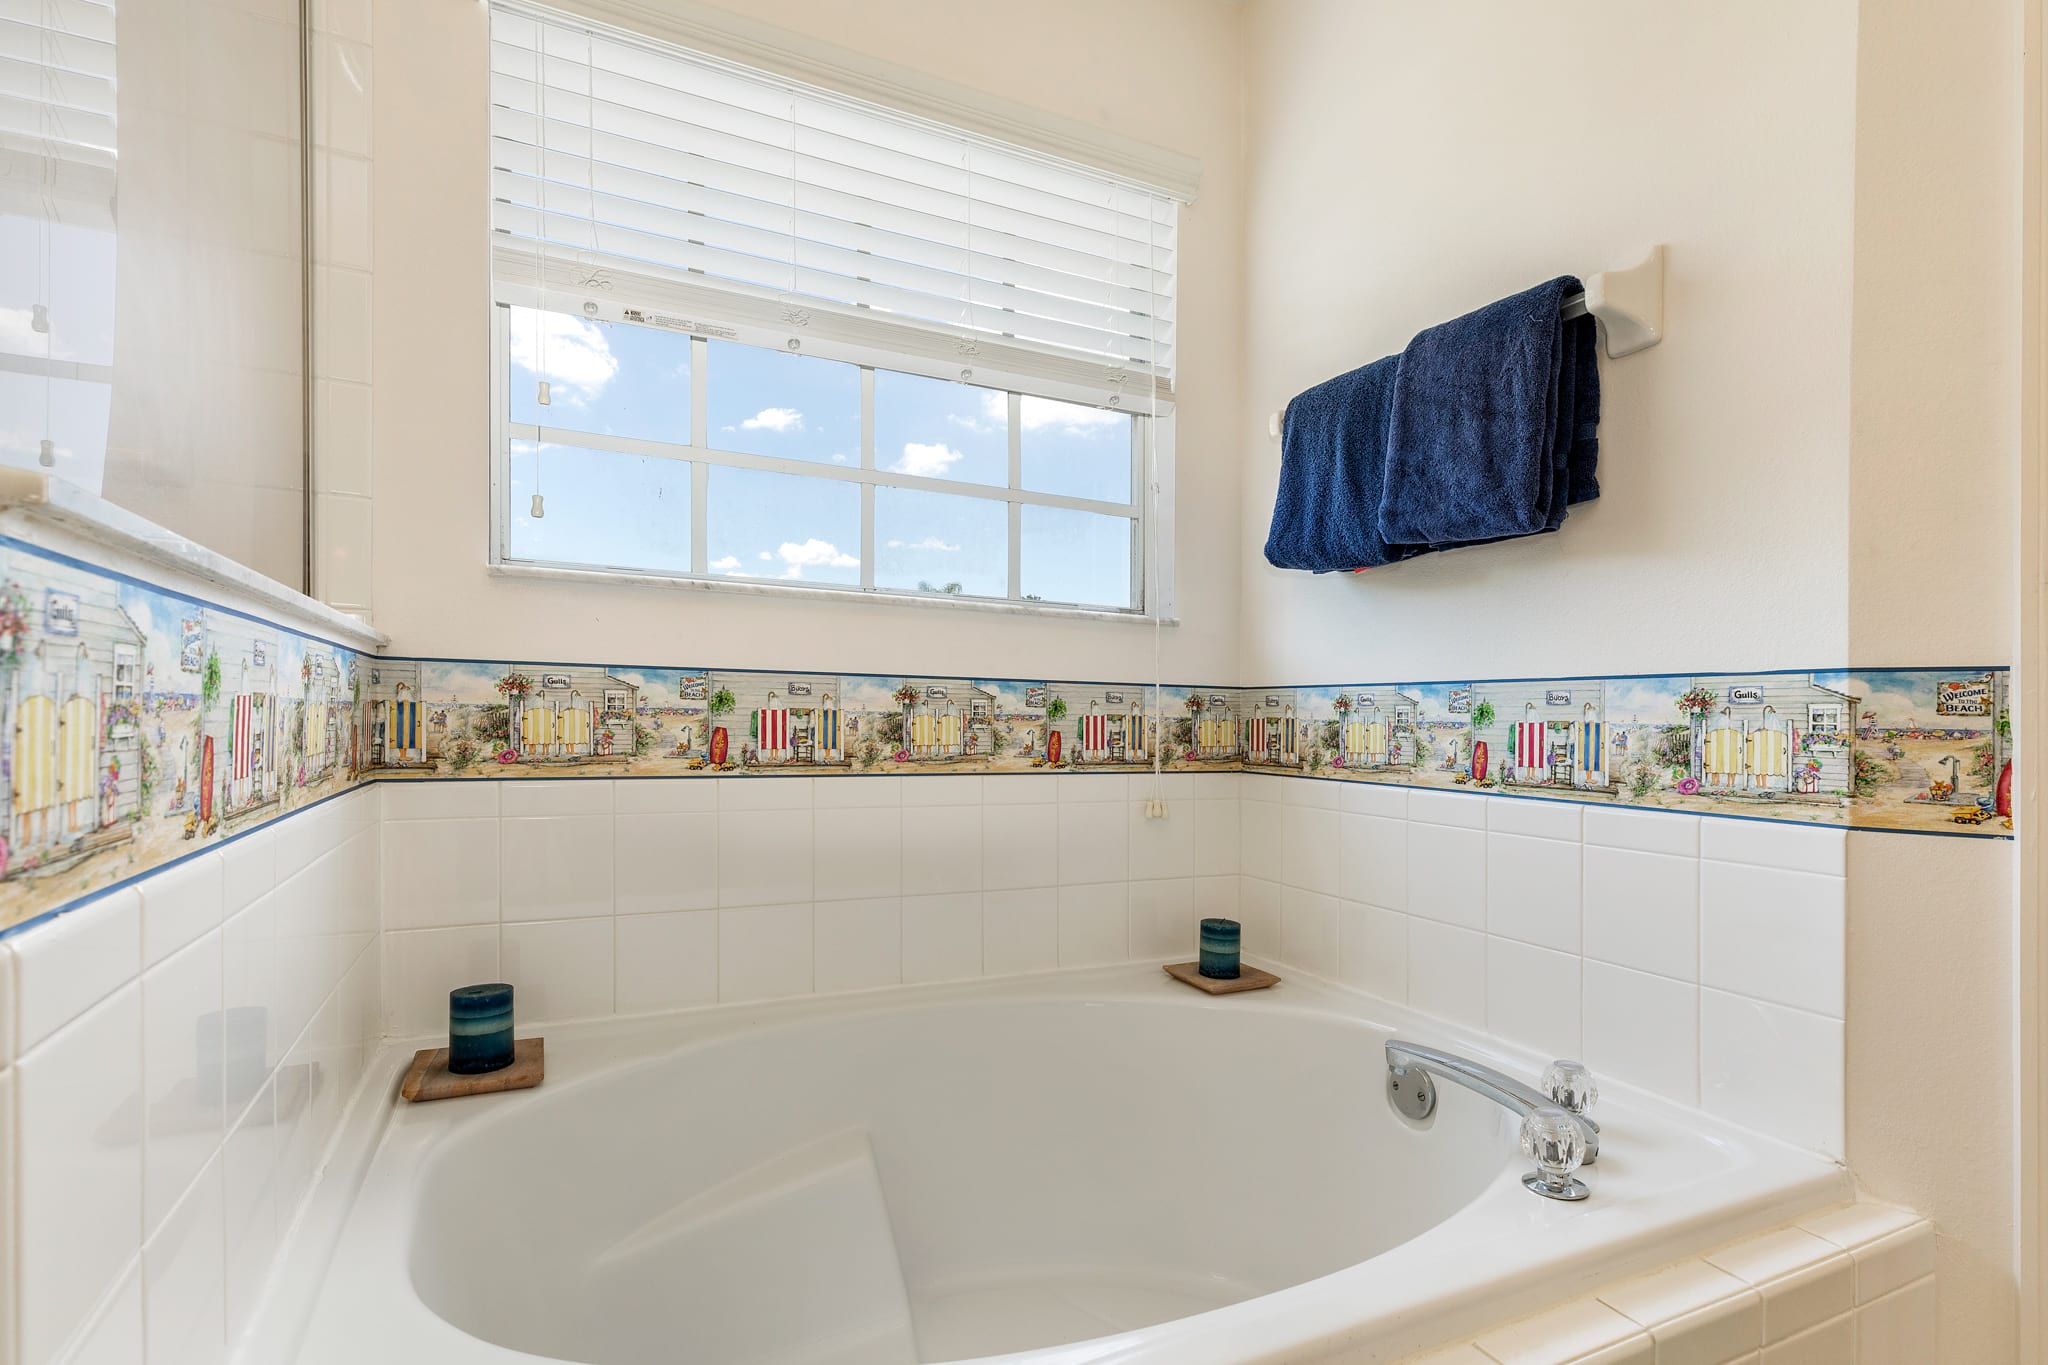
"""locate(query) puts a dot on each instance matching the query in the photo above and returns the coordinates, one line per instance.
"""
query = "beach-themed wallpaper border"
(142, 725)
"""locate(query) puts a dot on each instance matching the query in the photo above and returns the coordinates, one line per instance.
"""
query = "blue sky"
(634, 512)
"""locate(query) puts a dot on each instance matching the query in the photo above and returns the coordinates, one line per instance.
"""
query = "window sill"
(847, 596)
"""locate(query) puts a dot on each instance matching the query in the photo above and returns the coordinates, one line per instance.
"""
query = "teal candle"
(479, 1028)
(1219, 948)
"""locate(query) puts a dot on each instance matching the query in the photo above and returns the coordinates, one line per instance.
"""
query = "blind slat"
(619, 154)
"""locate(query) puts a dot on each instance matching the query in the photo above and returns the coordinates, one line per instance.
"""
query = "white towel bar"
(1628, 304)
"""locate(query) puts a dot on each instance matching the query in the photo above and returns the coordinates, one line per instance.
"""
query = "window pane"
(941, 430)
(764, 525)
(1082, 557)
(796, 407)
(601, 507)
(1077, 451)
(938, 542)
(608, 378)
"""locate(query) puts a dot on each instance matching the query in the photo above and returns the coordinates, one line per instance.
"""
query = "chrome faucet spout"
(1404, 1059)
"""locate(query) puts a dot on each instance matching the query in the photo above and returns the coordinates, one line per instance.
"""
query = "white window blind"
(57, 108)
(633, 173)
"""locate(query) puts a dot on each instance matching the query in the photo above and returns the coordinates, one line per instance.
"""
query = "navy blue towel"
(1493, 429)
(1332, 452)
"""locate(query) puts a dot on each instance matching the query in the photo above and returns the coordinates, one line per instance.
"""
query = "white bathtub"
(1078, 1168)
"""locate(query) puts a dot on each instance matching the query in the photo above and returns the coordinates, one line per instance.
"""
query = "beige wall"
(1933, 571)
(1071, 57)
(1409, 162)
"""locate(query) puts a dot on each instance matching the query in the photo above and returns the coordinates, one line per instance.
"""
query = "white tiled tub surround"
(1850, 1286)
(1700, 959)
(173, 1061)
(627, 896)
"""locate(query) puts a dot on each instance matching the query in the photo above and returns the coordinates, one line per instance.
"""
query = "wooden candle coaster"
(430, 1078)
(1248, 978)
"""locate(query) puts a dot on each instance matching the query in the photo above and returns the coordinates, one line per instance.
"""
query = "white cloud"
(813, 554)
(764, 555)
(1037, 414)
(928, 543)
(932, 461)
(579, 360)
(969, 424)
(775, 419)
(728, 564)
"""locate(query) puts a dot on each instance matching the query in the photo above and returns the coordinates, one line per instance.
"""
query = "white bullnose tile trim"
(1788, 1287)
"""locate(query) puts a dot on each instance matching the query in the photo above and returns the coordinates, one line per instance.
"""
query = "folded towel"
(1332, 451)
(1493, 428)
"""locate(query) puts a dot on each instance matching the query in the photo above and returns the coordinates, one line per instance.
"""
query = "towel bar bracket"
(1629, 305)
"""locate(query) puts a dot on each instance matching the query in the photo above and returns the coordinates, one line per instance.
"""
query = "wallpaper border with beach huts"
(140, 725)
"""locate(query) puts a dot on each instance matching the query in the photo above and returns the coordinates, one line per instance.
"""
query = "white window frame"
(1151, 540)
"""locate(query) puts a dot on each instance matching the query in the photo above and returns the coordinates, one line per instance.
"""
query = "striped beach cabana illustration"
(935, 730)
(1589, 750)
(403, 739)
(1216, 735)
(1532, 750)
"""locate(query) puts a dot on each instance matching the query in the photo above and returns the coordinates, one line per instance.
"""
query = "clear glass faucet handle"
(1570, 1087)
(1553, 1140)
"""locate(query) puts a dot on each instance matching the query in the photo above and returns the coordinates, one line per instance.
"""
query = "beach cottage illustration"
(1272, 732)
(1539, 733)
(1376, 729)
(790, 718)
(569, 713)
(1214, 727)
(1105, 724)
(72, 659)
(944, 719)
(1771, 734)
(396, 723)
(241, 727)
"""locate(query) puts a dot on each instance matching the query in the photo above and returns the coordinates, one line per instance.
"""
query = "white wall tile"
(1163, 919)
(183, 1096)
(439, 800)
(115, 1336)
(1447, 971)
(665, 961)
(1216, 836)
(1094, 924)
(1373, 860)
(1448, 808)
(184, 1277)
(79, 1172)
(1900, 1328)
(1308, 931)
(1533, 996)
(8, 1011)
(555, 796)
(1258, 915)
(1532, 890)
(1164, 847)
(1642, 910)
(859, 944)
(1020, 931)
(1259, 837)
(1535, 816)
(1372, 798)
(248, 869)
(178, 905)
(440, 872)
(68, 964)
(867, 792)
(764, 856)
(1768, 843)
(1092, 787)
(249, 1171)
(423, 965)
(941, 789)
(1215, 898)
(1777, 1070)
(1216, 786)
(1019, 789)
(1020, 844)
(1642, 1029)
(1447, 874)
(858, 852)
(1309, 841)
(941, 849)
(1093, 849)
(764, 793)
(251, 986)
(1773, 934)
(1310, 793)
(664, 860)
(764, 951)
(942, 937)
(554, 867)
(664, 795)
(559, 969)
(1644, 831)
(1372, 949)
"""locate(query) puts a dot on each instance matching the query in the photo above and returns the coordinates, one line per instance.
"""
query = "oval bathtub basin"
(1084, 1168)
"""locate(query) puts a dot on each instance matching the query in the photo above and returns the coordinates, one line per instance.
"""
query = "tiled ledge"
(1848, 1285)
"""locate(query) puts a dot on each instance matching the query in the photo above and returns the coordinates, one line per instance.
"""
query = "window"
(747, 331)
(1823, 716)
